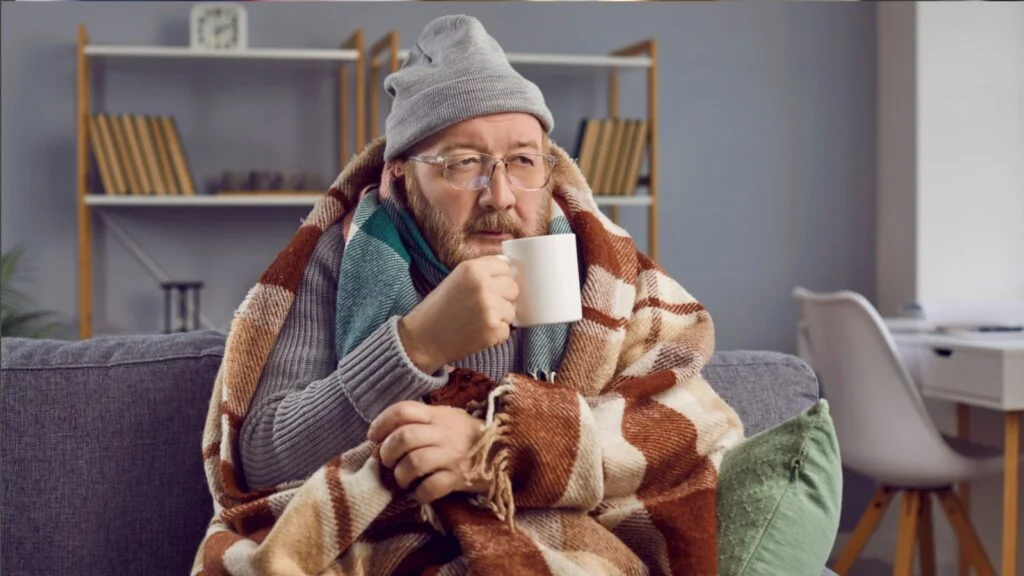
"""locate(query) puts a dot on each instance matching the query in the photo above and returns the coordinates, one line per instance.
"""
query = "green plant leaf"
(16, 316)
(13, 301)
(10, 262)
(30, 324)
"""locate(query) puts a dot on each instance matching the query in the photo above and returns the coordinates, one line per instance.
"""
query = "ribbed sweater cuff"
(378, 373)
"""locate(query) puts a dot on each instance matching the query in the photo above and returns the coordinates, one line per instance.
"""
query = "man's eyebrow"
(527, 144)
(459, 145)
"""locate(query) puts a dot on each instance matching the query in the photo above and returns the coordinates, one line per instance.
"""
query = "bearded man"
(374, 370)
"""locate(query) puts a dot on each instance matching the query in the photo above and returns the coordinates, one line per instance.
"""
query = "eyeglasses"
(524, 172)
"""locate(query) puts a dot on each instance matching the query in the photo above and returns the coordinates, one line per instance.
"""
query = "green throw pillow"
(779, 499)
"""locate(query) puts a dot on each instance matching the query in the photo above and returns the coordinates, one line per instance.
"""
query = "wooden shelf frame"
(284, 199)
(647, 49)
(352, 54)
(388, 44)
(612, 61)
(138, 51)
(642, 55)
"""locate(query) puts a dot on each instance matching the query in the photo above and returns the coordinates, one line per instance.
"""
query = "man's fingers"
(396, 416)
(423, 462)
(407, 439)
(439, 485)
(495, 265)
(507, 288)
(507, 312)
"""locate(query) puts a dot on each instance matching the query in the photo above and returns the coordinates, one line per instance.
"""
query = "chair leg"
(926, 536)
(969, 541)
(909, 512)
(963, 431)
(866, 526)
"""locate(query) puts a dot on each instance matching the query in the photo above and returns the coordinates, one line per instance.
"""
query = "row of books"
(610, 153)
(140, 155)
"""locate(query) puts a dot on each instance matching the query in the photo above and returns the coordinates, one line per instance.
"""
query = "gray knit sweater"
(310, 406)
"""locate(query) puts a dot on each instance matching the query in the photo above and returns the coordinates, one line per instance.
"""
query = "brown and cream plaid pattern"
(611, 469)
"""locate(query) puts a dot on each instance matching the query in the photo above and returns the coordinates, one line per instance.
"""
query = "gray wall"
(767, 141)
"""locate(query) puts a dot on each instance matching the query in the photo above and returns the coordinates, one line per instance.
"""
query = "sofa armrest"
(765, 388)
(102, 453)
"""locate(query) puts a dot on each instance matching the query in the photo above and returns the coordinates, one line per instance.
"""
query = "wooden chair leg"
(963, 431)
(926, 536)
(866, 526)
(909, 512)
(969, 541)
(1011, 489)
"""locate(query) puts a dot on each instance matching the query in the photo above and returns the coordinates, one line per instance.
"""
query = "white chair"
(886, 433)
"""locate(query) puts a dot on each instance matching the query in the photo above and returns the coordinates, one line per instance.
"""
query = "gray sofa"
(101, 461)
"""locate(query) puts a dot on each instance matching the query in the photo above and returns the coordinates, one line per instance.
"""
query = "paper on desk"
(968, 313)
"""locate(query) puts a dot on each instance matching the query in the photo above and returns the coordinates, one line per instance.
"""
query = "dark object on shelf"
(314, 181)
(262, 180)
(232, 181)
(181, 306)
(270, 182)
(276, 181)
(295, 182)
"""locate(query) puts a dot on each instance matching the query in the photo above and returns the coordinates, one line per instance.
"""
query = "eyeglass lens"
(474, 171)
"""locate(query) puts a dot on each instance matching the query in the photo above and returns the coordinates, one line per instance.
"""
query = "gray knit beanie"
(456, 71)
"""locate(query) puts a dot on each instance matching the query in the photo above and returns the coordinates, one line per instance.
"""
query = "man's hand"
(429, 442)
(470, 311)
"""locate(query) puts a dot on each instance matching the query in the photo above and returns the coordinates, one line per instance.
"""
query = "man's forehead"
(481, 145)
(499, 131)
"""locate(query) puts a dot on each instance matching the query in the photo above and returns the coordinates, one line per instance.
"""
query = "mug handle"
(508, 259)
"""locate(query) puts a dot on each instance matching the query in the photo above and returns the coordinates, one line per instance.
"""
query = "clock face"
(218, 27)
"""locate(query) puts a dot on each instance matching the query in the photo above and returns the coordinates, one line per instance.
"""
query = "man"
(375, 364)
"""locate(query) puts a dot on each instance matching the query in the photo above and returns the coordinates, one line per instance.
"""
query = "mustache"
(496, 222)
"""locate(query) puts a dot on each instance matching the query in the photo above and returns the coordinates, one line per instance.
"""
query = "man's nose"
(498, 195)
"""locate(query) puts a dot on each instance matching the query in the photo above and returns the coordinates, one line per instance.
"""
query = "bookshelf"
(622, 183)
(350, 58)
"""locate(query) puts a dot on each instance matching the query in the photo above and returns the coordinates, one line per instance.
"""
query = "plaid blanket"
(611, 469)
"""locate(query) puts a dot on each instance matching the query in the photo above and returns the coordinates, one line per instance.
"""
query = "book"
(138, 163)
(114, 161)
(588, 146)
(148, 148)
(133, 185)
(604, 141)
(637, 148)
(178, 159)
(163, 155)
(617, 165)
(99, 154)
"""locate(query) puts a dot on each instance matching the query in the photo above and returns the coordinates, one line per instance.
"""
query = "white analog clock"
(218, 26)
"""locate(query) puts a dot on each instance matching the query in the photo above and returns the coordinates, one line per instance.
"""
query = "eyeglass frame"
(442, 161)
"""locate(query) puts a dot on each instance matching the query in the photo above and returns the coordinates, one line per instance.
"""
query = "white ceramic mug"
(547, 271)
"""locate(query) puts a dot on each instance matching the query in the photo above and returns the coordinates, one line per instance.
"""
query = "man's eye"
(522, 160)
(465, 162)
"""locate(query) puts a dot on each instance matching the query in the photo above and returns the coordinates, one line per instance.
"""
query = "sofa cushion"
(779, 498)
(102, 453)
(765, 388)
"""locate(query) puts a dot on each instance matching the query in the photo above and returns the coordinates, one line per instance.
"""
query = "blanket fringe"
(493, 470)
(428, 516)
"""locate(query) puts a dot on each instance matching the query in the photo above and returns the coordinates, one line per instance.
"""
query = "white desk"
(985, 370)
